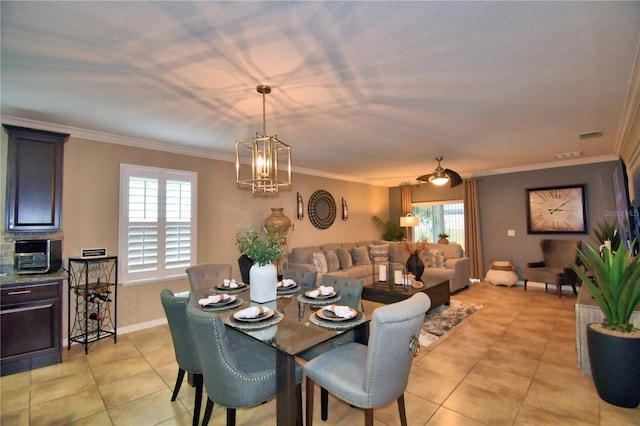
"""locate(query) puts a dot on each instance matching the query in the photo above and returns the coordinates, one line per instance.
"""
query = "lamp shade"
(409, 221)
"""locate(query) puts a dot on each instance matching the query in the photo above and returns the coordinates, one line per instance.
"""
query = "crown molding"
(542, 166)
(106, 137)
(80, 133)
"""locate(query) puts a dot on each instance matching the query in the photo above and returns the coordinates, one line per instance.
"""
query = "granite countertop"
(13, 278)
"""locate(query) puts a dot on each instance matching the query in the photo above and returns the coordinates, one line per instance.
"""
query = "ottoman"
(502, 272)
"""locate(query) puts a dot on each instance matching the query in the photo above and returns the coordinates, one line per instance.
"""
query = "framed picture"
(557, 210)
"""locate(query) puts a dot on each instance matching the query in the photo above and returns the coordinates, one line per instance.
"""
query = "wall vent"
(566, 155)
(589, 135)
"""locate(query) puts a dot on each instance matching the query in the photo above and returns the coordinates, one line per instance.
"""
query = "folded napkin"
(287, 282)
(213, 299)
(252, 312)
(340, 311)
(230, 283)
(321, 291)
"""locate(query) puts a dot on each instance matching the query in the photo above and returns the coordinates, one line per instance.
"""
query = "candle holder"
(299, 207)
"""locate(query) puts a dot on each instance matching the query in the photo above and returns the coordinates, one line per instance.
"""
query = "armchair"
(554, 269)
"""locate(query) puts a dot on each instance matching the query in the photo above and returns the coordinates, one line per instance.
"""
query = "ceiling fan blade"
(424, 178)
(454, 177)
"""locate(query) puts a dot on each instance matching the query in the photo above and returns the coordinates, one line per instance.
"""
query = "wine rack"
(93, 288)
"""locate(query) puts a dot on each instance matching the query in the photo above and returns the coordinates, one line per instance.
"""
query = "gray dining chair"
(305, 279)
(350, 291)
(238, 370)
(175, 309)
(208, 275)
(373, 375)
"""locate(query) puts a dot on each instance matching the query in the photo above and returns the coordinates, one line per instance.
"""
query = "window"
(437, 218)
(157, 223)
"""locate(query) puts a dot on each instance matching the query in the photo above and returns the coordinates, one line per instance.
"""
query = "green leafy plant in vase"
(263, 249)
(613, 279)
(391, 231)
(607, 231)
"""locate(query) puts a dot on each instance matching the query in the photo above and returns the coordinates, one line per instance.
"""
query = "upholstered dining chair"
(350, 291)
(184, 347)
(238, 371)
(373, 375)
(305, 279)
(208, 275)
(554, 268)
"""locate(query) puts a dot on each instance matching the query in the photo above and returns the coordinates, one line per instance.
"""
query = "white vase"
(263, 281)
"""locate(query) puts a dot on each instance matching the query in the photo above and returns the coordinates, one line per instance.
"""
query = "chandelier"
(269, 158)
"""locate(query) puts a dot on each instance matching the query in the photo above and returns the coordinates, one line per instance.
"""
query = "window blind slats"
(157, 228)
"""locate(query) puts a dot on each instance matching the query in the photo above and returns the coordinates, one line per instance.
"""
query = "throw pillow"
(333, 264)
(436, 258)
(345, 258)
(379, 253)
(360, 256)
(321, 263)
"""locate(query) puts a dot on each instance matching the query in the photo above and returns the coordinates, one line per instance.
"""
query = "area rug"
(443, 318)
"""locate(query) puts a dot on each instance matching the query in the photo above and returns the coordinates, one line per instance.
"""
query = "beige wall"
(90, 212)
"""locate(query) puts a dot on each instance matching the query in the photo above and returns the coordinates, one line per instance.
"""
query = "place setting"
(336, 317)
(321, 296)
(255, 318)
(230, 286)
(287, 286)
(220, 302)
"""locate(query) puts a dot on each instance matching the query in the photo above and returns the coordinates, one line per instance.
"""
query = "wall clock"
(557, 209)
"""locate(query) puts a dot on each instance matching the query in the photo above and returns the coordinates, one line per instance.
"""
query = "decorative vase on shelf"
(277, 220)
(415, 266)
(264, 283)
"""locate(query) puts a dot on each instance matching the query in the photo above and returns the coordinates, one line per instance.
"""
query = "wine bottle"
(102, 297)
(95, 316)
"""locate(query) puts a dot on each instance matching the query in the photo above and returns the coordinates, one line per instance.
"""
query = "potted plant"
(263, 250)
(443, 238)
(391, 230)
(607, 231)
(415, 265)
(613, 278)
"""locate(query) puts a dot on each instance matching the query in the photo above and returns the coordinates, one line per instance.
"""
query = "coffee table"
(386, 292)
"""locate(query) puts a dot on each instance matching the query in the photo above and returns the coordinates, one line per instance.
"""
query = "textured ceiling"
(370, 91)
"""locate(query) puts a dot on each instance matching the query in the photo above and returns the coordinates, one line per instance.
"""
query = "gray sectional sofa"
(354, 260)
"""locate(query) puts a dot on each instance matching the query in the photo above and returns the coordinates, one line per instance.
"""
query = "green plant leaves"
(614, 283)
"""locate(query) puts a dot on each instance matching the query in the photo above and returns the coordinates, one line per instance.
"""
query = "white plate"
(320, 296)
(260, 317)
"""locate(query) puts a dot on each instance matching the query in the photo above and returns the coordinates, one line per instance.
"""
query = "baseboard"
(130, 328)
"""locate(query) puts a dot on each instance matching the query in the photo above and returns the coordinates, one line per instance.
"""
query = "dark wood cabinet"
(31, 325)
(34, 179)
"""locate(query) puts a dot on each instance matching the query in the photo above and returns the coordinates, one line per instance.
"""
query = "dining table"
(298, 324)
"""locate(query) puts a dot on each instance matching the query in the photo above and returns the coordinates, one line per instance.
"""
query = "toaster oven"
(37, 256)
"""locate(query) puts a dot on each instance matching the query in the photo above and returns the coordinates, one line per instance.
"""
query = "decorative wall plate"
(322, 209)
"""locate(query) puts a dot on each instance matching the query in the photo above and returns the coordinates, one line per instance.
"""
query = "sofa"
(356, 260)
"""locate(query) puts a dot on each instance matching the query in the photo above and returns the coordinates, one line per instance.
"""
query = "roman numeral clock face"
(556, 210)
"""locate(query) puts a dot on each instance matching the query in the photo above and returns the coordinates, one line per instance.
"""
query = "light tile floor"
(512, 363)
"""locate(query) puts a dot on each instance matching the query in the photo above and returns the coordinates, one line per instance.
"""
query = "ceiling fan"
(441, 176)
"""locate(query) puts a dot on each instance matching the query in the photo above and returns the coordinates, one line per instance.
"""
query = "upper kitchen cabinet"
(34, 180)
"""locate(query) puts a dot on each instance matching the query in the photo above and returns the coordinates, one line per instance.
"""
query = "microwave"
(37, 256)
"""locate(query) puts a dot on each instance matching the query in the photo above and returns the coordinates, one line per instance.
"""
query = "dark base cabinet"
(30, 322)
